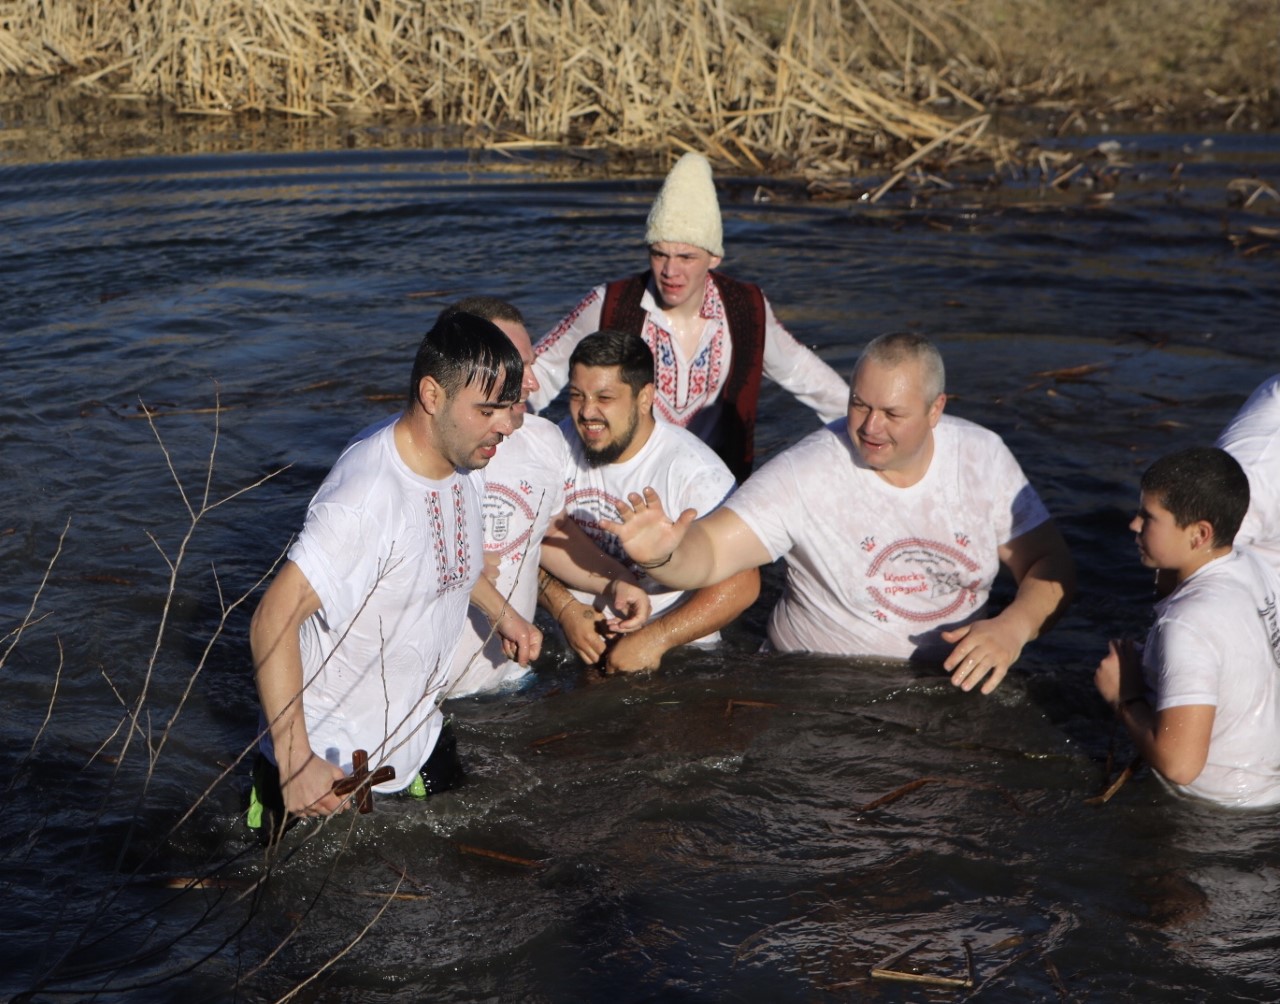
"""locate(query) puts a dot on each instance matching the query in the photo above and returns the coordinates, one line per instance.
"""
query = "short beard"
(604, 455)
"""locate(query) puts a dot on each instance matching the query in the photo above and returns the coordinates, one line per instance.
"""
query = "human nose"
(1135, 524)
(505, 424)
(873, 423)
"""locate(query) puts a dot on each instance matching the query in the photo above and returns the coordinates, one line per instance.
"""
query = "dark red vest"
(744, 311)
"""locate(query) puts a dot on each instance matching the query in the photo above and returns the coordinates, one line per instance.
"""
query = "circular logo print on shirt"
(508, 519)
(923, 580)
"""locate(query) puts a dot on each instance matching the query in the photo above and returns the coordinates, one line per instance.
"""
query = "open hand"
(645, 531)
(983, 649)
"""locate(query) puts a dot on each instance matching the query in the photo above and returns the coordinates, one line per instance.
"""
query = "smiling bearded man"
(616, 446)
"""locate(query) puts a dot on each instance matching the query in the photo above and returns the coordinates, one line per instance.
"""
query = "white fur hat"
(686, 210)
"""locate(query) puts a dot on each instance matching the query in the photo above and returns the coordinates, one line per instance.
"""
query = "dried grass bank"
(817, 89)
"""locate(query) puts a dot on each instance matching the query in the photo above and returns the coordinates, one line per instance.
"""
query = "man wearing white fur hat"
(712, 337)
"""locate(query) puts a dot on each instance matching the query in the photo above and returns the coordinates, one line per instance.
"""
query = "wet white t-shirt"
(1253, 438)
(1216, 641)
(524, 490)
(873, 569)
(393, 558)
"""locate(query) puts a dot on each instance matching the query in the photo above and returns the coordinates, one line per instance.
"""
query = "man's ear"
(935, 409)
(644, 399)
(431, 396)
(1201, 534)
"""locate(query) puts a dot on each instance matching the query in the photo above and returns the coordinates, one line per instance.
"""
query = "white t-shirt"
(1216, 641)
(1253, 438)
(873, 569)
(393, 557)
(685, 472)
(524, 490)
(688, 386)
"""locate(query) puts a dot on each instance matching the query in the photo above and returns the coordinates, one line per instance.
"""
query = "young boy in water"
(1202, 698)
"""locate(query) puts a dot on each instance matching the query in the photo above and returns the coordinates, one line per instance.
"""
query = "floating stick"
(511, 859)
(736, 703)
(884, 972)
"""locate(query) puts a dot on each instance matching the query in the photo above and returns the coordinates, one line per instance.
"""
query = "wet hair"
(900, 347)
(616, 348)
(491, 308)
(1203, 483)
(462, 349)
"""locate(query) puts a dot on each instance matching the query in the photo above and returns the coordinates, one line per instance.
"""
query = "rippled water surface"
(705, 833)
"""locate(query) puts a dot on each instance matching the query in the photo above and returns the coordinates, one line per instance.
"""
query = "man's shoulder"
(687, 466)
(361, 465)
(1251, 434)
(1224, 585)
(829, 444)
(968, 442)
(679, 445)
(539, 434)
(965, 429)
(822, 458)
(536, 452)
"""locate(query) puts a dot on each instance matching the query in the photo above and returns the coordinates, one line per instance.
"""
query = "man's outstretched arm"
(686, 553)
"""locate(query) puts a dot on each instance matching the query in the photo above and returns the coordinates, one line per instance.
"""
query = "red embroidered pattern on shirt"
(706, 371)
(558, 332)
(452, 568)
(925, 570)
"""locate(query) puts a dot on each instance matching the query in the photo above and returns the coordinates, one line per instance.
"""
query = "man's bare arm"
(1174, 741)
(584, 627)
(306, 780)
(573, 558)
(707, 610)
(1046, 577)
(521, 641)
(686, 553)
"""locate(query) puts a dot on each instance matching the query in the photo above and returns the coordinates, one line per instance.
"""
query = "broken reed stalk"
(835, 92)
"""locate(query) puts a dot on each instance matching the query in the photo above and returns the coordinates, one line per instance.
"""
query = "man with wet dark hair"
(1201, 699)
(352, 641)
(616, 442)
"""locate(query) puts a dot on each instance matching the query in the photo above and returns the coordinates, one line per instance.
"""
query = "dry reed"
(837, 90)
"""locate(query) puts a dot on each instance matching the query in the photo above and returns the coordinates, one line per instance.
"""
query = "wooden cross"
(361, 781)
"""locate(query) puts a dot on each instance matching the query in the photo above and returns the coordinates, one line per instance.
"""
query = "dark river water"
(702, 834)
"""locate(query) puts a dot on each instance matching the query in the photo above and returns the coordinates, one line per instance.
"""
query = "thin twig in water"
(735, 703)
(28, 618)
(1115, 785)
(350, 945)
(920, 782)
(481, 852)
